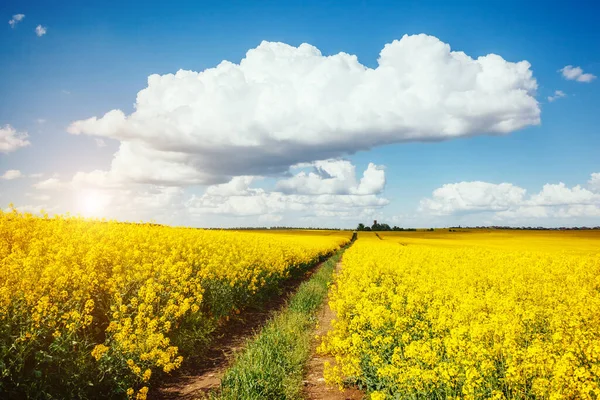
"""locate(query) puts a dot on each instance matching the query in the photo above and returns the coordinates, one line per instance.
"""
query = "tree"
(361, 227)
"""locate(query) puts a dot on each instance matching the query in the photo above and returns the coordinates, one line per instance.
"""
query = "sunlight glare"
(91, 203)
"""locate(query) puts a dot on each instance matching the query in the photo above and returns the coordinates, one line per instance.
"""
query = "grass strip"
(272, 365)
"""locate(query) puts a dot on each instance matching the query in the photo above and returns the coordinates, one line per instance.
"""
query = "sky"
(320, 114)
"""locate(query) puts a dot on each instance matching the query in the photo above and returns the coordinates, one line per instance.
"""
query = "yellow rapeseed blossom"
(467, 316)
(120, 291)
(99, 351)
(142, 393)
(378, 396)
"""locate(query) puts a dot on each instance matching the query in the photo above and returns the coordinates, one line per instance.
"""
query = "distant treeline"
(381, 227)
(529, 228)
(385, 227)
(287, 228)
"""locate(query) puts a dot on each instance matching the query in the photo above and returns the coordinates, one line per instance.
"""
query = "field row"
(468, 316)
(95, 308)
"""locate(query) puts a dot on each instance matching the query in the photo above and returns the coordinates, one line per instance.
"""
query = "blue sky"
(96, 56)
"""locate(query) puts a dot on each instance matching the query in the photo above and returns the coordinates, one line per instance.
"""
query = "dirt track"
(195, 379)
(314, 385)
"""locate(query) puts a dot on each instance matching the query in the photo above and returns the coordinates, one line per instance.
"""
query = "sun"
(91, 203)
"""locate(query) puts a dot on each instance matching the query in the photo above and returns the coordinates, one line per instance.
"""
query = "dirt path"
(314, 385)
(200, 376)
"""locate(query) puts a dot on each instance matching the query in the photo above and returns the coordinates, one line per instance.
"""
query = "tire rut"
(315, 387)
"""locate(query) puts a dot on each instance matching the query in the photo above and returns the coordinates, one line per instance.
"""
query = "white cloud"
(96, 179)
(137, 163)
(522, 213)
(238, 186)
(108, 196)
(16, 19)
(578, 211)
(335, 177)
(259, 202)
(80, 181)
(11, 140)
(100, 142)
(303, 195)
(576, 74)
(557, 95)
(41, 121)
(372, 181)
(594, 181)
(40, 30)
(284, 105)
(11, 174)
(560, 194)
(50, 184)
(508, 202)
(459, 197)
(36, 175)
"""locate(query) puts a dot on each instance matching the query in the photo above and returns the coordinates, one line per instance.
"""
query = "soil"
(315, 387)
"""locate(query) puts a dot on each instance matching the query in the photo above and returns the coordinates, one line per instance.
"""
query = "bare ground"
(315, 387)
(203, 375)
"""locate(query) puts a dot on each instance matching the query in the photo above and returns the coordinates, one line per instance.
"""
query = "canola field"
(97, 309)
(473, 314)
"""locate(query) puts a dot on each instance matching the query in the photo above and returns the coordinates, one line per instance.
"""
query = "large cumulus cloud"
(283, 105)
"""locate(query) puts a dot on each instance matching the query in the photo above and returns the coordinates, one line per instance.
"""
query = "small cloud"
(65, 91)
(11, 140)
(576, 74)
(40, 121)
(100, 142)
(49, 184)
(16, 19)
(40, 30)
(557, 95)
(11, 174)
(38, 175)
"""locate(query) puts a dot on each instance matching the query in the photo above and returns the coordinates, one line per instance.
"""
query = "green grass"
(273, 363)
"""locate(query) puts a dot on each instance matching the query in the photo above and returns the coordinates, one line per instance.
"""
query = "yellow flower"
(146, 376)
(378, 396)
(99, 351)
(142, 393)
